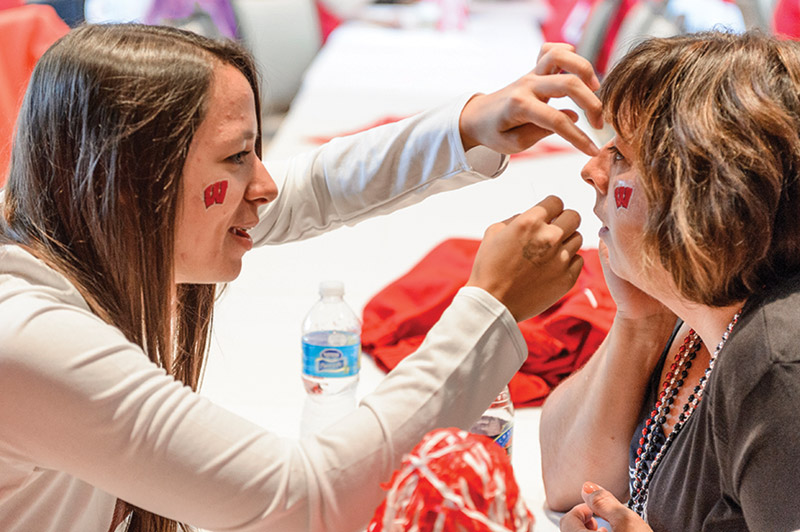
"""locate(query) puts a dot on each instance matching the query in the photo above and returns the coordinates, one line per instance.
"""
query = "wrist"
(465, 125)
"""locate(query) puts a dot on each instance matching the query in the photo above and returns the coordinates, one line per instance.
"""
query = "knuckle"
(491, 230)
(572, 82)
(561, 120)
(556, 201)
(518, 97)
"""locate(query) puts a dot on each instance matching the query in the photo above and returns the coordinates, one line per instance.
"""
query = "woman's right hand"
(601, 503)
(517, 116)
(632, 303)
(530, 260)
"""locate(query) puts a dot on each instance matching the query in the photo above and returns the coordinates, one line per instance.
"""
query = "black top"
(735, 466)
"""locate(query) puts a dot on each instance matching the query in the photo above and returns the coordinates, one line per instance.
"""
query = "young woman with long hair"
(136, 185)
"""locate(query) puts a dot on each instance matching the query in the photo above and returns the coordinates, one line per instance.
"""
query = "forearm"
(372, 173)
(587, 422)
(124, 427)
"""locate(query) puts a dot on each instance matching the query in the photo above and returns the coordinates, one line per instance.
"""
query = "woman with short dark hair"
(694, 424)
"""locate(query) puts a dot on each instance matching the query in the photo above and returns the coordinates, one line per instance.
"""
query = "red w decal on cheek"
(215, 193)
(622, 195)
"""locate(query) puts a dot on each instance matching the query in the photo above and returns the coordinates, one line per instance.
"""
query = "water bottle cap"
(331, 288)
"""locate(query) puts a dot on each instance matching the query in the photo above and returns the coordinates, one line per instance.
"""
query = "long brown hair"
(102, 137)
(714, 119)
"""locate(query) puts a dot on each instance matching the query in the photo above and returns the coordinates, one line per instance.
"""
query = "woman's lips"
(242, 236)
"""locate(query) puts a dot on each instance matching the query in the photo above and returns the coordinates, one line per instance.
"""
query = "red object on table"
(450, 482)
(559, 340)
(25, 33)
(328, 21)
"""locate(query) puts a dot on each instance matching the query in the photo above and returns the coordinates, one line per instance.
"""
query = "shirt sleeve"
(78, 397)
(374, 172)
(757, 425)
(763, 451)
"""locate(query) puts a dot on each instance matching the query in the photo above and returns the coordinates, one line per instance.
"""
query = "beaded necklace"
(653, 445)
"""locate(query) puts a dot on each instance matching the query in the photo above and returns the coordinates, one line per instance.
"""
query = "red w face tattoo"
(622, 195)
(215, 193)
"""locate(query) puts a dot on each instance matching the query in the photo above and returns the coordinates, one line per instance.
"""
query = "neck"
(708, 322)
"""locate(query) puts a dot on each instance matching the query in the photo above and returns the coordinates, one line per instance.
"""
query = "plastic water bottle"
(331, 344)
(498, 421)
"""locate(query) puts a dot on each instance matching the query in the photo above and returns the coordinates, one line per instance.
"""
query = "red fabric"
(601, 64)
(5, 4)
(786, 19)
(25, 33)
(328, 21)
(559, 340)
(567, 19)
(562, 15)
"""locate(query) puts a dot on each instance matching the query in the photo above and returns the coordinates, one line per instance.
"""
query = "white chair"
(284, 36)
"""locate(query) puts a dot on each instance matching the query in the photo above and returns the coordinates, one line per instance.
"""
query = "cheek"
(623, 192)
(628, 214)
(215, 193)
(202, 209)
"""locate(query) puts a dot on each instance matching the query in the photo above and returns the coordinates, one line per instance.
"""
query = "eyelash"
(616, 154)
(238, 158)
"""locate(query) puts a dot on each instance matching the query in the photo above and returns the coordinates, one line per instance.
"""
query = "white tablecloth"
(363, 74)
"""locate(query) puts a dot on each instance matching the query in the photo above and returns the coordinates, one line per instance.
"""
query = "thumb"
(605, 505)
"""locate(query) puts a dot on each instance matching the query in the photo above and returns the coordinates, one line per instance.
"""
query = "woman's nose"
(262, 189)
(595, 172)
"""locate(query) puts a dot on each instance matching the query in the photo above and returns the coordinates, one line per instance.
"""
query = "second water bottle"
(331, 344)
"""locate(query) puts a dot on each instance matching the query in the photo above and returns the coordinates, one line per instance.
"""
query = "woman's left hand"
(517, 116)
(603, 504)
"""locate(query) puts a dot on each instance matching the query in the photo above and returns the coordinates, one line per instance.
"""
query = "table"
(365, 73)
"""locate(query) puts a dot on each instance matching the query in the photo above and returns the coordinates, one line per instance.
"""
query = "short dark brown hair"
(714, 119)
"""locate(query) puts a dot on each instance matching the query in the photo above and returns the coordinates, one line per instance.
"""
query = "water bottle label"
(504, 438)
(327, 361)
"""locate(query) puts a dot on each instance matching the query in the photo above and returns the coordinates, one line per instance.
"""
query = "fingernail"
(590, 487)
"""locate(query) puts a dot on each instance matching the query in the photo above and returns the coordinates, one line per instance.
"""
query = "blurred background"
(286, 35)
(333, 67)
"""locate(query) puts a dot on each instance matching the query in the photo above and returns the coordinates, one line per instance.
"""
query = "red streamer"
(452, 481)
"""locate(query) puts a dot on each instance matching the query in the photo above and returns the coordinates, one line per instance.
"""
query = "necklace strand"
(642, 472)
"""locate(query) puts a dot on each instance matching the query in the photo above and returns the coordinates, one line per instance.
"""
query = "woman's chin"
(215, 276)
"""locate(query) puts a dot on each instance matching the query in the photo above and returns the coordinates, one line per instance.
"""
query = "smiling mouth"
(239, 231)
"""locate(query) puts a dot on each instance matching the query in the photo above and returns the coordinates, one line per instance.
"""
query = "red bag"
(559, 340)
(26, 32)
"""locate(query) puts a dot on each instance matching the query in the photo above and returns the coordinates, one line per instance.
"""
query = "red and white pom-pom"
(453, 481)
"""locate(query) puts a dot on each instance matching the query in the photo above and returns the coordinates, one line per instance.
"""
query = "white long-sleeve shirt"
(85, 417)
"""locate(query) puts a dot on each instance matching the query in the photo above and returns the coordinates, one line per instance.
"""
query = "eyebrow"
(249, 134)
(245, 136)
